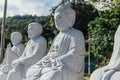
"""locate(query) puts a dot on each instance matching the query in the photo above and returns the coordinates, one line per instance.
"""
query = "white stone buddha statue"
(65, 59)
(11, 54)
(112, 70)
(34, 51)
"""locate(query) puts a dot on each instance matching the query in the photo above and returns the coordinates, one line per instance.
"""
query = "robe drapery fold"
(67, 51)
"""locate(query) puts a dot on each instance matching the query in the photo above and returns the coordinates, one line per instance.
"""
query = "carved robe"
(67, 58)
(10, 56)
(33, 52)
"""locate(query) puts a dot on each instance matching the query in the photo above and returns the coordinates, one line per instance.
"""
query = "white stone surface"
(112, 70)
(65, 59)
(11, 54)
(34, 51)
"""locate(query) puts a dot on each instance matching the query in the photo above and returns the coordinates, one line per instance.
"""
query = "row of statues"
(11, 54)
(64, 60)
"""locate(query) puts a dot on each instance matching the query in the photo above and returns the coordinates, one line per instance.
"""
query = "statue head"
(64, 17)
(34, 30)
(16, 37)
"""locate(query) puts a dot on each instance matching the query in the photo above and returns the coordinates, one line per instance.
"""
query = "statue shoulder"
(41, 39)
(77, 33)
(20, 45)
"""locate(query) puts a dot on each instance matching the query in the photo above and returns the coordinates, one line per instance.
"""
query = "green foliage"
(102, 30)
(84, 14)
(19, 23)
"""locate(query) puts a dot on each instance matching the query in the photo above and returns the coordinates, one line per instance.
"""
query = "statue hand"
(57, 64)
(8, 47)
(46, 63)
(15, 62)
(5, 69)
(19, 67)
(53, 61)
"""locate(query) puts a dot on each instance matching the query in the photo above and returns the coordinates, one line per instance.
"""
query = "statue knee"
(32, 71)
(56, 75)
(3, 76)
(11, 74)
(116, 76)
(52, 75)
(14, 75)
(97, 74)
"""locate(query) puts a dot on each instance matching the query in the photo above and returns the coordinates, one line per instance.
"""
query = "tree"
(19, 23)
(102, 30)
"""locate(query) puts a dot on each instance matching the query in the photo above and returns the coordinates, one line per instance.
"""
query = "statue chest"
(14, 49)
(30, 48)
(57, 45)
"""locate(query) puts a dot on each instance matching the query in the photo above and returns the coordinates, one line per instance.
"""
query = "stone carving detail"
(65, 59)
(11, 54)
(112, 70)
(34, 51)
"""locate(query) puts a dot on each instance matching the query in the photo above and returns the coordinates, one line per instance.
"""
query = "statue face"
(61, 21)
(32, 33)
(15, 39)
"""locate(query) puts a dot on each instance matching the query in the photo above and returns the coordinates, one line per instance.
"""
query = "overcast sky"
(31, 7)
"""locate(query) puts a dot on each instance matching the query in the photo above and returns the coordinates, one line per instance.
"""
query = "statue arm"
(8, 61)
(25, 50)
(9, 55)
(18, 54)
(42, 59)
(20, 50)
(76, 49)
(17, 61)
